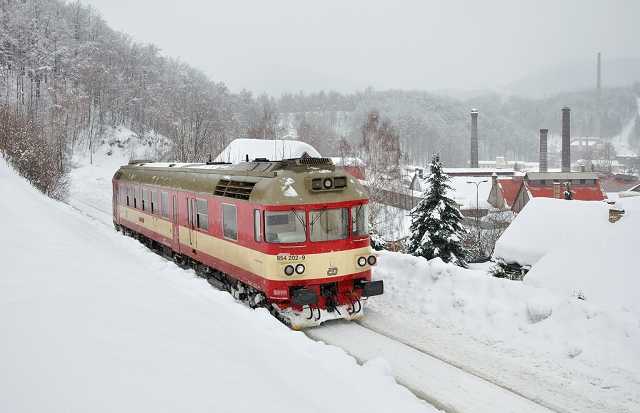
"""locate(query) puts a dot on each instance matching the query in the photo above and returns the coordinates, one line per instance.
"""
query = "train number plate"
(290, 257)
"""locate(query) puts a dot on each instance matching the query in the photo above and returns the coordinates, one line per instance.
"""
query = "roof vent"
(234, 189)
(308, 160)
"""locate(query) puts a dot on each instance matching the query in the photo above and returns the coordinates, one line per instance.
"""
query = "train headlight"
(300, 268)
(372, 260)
(289, 270)
(327, 183)
(362, 261)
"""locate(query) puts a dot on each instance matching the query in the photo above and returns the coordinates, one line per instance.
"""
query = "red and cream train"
(289, 235)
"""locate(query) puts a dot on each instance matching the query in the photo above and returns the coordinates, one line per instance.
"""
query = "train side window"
(145, 199)
(155, 207)
(202, 214)
(229, 222)
(126, 190)
(136, 195)
(164, 204)
(257, 228)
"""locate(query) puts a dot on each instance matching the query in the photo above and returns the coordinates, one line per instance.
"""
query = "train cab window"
(257, 228)
(285, 226)
(229, 221)
(360, 220)
(329, 224)
(164, 204)
(202, 214)
(154, 202)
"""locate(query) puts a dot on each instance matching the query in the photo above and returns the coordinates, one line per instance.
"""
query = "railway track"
(431, 378)
(437, 381)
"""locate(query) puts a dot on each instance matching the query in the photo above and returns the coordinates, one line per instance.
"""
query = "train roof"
(290, 181)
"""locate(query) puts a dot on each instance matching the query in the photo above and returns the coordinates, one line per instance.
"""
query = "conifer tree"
(436, 222)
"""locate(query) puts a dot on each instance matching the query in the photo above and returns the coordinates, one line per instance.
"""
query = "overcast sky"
(278, 46)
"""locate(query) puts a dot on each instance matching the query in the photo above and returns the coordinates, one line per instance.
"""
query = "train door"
(115, 203)
(175, 223)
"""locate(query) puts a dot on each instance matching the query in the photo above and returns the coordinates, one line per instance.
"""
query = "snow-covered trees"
(436, 222)
(24, 145)
(63, 68)
(380, 149)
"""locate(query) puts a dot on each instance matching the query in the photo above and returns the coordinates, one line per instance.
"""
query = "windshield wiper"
(322, 211)
(301, 220)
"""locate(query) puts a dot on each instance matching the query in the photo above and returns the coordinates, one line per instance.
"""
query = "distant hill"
(576, 76)
(429, 123)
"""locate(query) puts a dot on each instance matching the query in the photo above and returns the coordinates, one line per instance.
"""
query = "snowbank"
(543, 330)
(92, 321)
(273, 150)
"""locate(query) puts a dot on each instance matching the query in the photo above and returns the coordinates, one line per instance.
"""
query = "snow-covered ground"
(572, 354)
(568, 354)
(92, 321)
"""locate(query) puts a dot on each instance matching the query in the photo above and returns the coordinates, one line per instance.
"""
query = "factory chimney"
(566, 139)
(542, 165)
(474, 138)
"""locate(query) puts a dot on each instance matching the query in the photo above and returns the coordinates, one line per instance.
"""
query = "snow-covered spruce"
(436, 222)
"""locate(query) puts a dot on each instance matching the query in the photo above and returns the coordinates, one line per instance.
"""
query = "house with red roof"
(515, 193)
(504, 191)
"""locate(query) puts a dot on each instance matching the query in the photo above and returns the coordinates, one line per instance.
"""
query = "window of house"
(285, 226)
(328, 224)
(360, 220)
(202, 214)
(229, 221)
(257, 228)
(164, 204)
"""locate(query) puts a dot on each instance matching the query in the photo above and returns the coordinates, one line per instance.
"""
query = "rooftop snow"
(544, 224)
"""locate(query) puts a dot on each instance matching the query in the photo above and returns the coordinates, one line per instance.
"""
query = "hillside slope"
(92, 321)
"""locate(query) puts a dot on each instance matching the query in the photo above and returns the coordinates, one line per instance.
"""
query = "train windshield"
(329, 224)
(285, 226)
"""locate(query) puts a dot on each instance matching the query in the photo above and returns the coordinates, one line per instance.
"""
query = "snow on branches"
(436, 222)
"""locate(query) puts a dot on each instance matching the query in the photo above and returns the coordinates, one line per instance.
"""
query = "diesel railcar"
(290, 235)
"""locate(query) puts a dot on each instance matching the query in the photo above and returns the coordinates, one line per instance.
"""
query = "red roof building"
(504, 191)
(515, 193)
